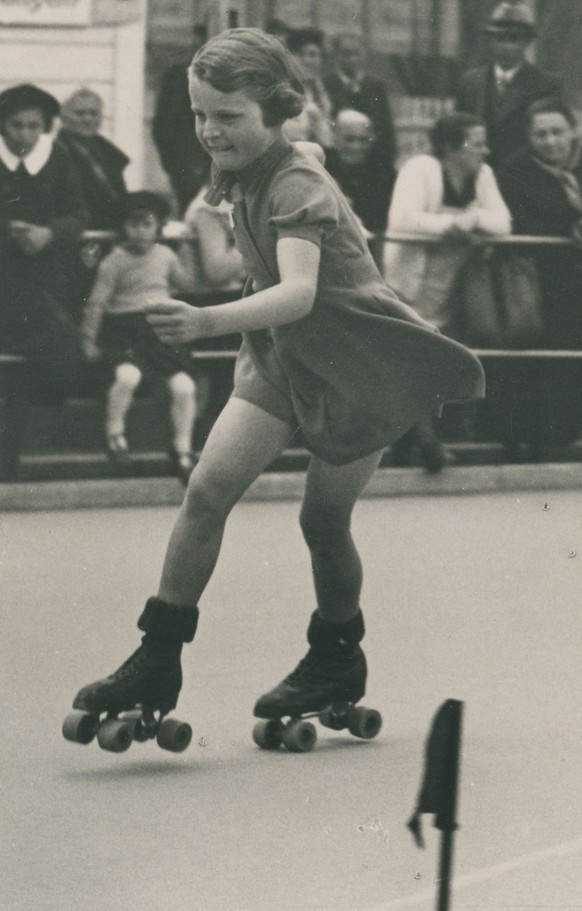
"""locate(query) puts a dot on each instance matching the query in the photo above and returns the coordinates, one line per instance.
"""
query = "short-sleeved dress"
(352, 375)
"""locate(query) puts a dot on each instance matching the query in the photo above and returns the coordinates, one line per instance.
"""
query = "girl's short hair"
(549, 106)
(249, 60)
(139, 204)
(449, 132)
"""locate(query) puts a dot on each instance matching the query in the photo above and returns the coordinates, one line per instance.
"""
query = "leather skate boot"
(332, 672)
(152, 676)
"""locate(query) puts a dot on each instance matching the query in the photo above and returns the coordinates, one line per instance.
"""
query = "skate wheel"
(268, 735)
(114, 735)
(334, 721)
(364, 723)
(299, 736)
(80, 727)
(134, 720)
(174, 735)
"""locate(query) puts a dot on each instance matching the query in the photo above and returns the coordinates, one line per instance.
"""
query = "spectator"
(183, 158)
(278, 29)
(314, 122)
(100, 164)
(367, 188)
(213, 262)
(449, 194)
(350, 87)
(500, 93)
(41, 219)
(542, 185)
(138, 271)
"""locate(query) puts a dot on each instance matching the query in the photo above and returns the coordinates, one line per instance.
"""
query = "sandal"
(117, 448)
(183, 464)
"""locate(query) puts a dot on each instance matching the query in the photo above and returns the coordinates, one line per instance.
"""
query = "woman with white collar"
(41, 219)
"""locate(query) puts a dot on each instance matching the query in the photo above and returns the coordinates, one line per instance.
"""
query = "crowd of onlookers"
(506, 160)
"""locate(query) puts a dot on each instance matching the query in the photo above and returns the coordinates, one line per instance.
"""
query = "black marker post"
(438, 790)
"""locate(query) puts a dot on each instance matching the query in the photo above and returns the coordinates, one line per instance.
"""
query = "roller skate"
(131, 704)
(326, 684)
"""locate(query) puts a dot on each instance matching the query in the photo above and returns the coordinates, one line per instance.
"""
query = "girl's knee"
(208, 494)
(127, 376)
(181, 385)
(323, 529)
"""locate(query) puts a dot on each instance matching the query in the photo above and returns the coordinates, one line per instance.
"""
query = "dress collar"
(230, 185)
(34, 161)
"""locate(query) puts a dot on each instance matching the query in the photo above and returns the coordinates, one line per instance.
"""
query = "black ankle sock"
(165, 622)
(335, 640)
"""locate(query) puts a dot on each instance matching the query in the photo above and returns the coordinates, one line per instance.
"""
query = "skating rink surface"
(472, 598)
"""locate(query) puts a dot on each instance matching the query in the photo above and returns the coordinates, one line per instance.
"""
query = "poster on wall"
(68, 12)
(45, 12)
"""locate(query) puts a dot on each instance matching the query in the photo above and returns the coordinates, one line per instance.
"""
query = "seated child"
(137, 272)
(214, 262)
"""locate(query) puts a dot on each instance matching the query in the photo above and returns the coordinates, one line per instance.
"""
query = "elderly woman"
(41, 218)
(99, 163)
(451, 194)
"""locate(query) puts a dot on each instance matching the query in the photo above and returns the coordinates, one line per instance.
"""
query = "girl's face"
(22, 131)
(141, 231)
(229, 126)
(551, 138)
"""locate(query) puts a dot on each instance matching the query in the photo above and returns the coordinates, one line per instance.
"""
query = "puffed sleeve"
(304, 204)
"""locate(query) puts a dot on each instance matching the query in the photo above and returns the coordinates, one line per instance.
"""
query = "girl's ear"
(282, 104)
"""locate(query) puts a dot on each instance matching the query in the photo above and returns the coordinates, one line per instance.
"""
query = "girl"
(327, 349)
(133, 272)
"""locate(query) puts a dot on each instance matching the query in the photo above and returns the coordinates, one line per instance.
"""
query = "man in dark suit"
(501, 92)
(183, 158)
(349, 87)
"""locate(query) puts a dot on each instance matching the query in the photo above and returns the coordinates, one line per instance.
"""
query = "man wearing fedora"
(501, 92)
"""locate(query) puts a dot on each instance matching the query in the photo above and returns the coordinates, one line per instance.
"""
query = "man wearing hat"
(182, 156)
(501, 92)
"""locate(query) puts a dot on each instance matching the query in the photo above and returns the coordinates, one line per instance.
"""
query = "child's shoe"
(333, 671)
(117, 449)
(152, 675)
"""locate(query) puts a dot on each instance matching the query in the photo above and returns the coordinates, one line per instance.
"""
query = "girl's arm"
(289, 300)
(96, 306)
(177, 277)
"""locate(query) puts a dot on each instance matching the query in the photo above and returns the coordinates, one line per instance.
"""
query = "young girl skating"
(328, 349)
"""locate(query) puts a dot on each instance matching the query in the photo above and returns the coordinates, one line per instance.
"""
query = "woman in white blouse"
(450, 194)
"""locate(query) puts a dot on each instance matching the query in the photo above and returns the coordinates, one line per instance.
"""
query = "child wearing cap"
(138, 271)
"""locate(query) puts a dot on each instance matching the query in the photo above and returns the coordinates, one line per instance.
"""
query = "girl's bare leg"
(120, 396)
(243, 441)
(330, 495)
(334, 671)
(182, 410)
